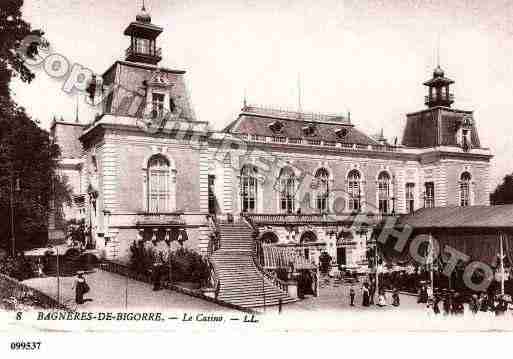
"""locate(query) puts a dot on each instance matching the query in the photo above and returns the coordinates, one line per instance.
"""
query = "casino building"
(147, 168)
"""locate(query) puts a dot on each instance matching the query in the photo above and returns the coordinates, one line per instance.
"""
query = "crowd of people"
(438, 301)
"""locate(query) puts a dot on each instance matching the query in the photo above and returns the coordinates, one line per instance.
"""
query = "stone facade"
(147, 167)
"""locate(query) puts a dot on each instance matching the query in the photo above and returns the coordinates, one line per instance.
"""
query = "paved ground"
(108, 292)
(335, 296)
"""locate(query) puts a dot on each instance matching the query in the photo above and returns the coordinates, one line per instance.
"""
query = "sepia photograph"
(263, 166)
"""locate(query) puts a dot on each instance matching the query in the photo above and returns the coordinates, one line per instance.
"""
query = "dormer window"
(309, 130)
(341, 132)
(276, 126)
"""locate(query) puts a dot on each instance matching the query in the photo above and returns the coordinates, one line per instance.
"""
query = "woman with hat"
(80, 287)
(365, 295)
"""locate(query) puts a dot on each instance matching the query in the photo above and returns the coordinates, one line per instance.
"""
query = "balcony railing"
(259, 219)
(149, 52)
(283, 218)
(439, 98)
(320, 143)
(149, 218)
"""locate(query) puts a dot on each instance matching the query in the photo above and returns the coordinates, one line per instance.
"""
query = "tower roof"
(142, 26)
(438, 79)
(143, 16)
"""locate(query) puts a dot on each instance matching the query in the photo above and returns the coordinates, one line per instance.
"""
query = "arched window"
(287, 188)
(354, 191)
(322, 191)
(249, 188)
(384, 193)
(465, 189)
(159, 185)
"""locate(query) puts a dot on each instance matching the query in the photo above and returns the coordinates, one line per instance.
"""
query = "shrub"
(185, 264)
(189, 266)
(19, 268)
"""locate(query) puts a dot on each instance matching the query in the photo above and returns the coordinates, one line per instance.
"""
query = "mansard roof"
(291, 124)
(132, 78)
(437, 126)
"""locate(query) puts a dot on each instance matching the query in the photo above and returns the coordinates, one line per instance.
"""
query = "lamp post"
(502, 261)
(15, 187)
(58, 271)
(431, 262)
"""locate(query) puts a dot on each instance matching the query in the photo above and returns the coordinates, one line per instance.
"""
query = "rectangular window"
(354, 195)
(211, 194)
(157, 101)
(410, 197)
(429, 199)
(464, 194)
(383, 197)
(287, 195)
(142, 46)
(159, 191)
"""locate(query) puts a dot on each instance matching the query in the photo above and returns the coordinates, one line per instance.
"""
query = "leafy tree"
(27, 154)
(503, 193)
(13, 31)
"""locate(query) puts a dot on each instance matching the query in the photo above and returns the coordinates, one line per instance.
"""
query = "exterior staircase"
(241, 281)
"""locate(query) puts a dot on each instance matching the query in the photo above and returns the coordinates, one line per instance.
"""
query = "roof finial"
(438, 51)
(245, 101)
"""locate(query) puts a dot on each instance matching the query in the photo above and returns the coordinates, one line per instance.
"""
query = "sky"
(366, 57)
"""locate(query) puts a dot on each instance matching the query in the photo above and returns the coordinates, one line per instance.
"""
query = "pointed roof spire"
(438, 52)
(143, 16)
(245, 101)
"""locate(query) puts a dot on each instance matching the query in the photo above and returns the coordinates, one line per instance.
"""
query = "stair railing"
(258, 256)
(256, 252)
(272, 277)
(214, 241)
(214, 280)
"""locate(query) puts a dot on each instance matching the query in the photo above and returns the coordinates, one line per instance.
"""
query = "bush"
(19, 268)
(189, 266)
(185, 264)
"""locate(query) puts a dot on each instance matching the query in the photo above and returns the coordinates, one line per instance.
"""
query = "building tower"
(439, 94)
(143, 38)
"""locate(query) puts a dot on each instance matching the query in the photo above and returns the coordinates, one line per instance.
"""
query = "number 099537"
(25, 345)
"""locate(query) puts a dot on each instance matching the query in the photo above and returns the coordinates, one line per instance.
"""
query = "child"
(351, 296)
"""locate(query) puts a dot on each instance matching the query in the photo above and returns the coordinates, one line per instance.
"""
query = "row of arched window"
(159, 191)
(287, 184)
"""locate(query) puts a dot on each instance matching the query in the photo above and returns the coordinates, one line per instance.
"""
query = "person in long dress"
(351, 296)
(436, 304)
(365, 295)
(81, 288)
(396, 301)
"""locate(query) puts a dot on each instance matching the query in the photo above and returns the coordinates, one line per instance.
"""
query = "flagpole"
(431, 259)
(377, 268)
(502, 263)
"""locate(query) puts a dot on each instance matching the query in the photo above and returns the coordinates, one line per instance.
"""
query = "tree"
(27, 152)
(13, 31)
(503, 193)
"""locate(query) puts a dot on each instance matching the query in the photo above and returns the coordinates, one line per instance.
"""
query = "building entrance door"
(341, 256)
